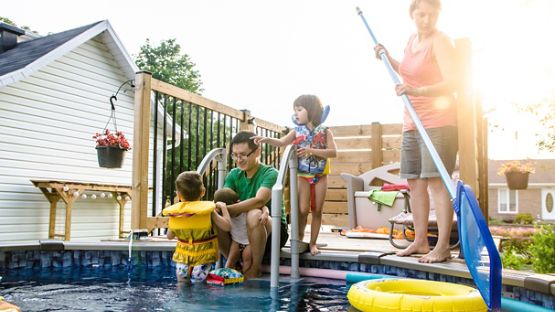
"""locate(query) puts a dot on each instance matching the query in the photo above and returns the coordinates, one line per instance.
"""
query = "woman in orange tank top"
(429, 80)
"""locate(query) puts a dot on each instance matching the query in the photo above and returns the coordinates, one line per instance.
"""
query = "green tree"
(10, 22)
(545, 112)
(166, 63)
(7, 21)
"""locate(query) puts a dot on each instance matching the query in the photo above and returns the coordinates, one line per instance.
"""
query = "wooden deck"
(335, 243)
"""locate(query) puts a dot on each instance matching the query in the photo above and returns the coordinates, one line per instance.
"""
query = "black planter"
(110, 156)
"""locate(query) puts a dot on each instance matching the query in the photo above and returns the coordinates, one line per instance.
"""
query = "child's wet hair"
(226, 195)
(189, 185)
(313, 106)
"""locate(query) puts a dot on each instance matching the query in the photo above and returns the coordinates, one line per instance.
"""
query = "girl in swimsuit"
(315, 144)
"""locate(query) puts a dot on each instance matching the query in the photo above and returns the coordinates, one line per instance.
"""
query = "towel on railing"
(383, 197)
(395, 187)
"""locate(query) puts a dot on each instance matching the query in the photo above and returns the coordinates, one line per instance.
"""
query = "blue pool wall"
(36, 259)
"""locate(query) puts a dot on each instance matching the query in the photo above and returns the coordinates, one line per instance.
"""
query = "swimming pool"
(155, 289)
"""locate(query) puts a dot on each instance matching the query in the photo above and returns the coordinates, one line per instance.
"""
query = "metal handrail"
(289, 160)
(218, 154)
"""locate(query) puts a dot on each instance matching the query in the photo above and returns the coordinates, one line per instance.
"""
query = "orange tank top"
(420, 69)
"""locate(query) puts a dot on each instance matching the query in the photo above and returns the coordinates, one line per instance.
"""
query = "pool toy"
(224, 276)
(414, 295)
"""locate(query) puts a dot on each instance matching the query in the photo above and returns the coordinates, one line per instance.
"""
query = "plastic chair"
(361, 210)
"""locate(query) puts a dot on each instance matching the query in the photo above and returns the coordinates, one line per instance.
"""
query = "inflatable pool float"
(224, 276)
(414, 295)
(7, 307)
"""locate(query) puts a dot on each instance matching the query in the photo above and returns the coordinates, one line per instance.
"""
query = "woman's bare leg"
(444, 213)
(420, 206)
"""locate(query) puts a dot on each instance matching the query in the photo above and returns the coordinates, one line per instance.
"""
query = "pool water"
(145, 289)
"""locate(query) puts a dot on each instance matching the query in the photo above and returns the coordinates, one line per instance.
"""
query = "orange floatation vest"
(197, 241)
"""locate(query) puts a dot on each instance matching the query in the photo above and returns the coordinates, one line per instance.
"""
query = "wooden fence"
(359, 149)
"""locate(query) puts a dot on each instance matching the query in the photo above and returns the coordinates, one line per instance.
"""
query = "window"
(508, 201)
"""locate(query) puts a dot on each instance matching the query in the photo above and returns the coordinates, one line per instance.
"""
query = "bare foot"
(314, 250)
(436, 256)
(413, 248)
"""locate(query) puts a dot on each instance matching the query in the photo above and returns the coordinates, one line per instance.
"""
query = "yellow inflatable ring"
(414, 295)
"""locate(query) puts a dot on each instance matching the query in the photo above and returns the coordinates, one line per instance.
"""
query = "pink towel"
(395, 187)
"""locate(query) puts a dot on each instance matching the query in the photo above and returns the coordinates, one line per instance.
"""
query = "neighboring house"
(537, 199)
(54, 95)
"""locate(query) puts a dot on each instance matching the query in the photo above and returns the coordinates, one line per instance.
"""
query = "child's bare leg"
(247, 258)
(182, 273)
(316, 223)
(304, 204)
(180, 278)
(233, 255)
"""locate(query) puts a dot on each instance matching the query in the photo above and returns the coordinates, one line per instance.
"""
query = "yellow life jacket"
(197, 241)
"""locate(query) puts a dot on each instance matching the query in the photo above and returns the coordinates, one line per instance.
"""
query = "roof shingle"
(27, 52)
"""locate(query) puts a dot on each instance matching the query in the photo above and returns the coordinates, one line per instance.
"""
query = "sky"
(260, 55)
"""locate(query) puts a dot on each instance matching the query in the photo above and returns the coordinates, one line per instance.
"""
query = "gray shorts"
(416, 161)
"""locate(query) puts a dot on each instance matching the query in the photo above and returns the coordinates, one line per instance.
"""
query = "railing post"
(141, 131)
(248, 123)
(470, 128)
(377, 153)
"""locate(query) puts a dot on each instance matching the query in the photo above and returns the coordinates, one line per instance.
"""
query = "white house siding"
(46, 127)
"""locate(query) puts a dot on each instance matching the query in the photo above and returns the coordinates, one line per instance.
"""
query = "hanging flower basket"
(517, 180)
(110, 156)
(111, 148)
(516, 173)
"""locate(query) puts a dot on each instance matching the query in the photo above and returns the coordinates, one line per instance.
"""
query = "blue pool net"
(477, 246)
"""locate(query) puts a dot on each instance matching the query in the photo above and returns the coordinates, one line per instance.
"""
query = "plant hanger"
(113, 105)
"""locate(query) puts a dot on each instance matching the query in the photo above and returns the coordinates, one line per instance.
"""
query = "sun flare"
(512, 58)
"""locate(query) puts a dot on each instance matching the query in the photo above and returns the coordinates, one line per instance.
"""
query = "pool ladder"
(288, 162)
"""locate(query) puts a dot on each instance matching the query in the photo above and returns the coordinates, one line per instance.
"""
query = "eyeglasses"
(241, 156)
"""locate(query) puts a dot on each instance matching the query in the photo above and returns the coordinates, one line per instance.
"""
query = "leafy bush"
(543, 249)
(494, 221)
(524, 218)
(512, 259)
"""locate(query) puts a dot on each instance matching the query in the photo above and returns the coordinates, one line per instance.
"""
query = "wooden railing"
(359, 149)
(364, 147)
(174, 130)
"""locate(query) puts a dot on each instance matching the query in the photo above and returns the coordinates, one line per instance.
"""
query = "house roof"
(545, 171)
(31, 55)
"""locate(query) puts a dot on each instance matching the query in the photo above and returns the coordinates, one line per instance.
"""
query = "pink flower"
(111, 139)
